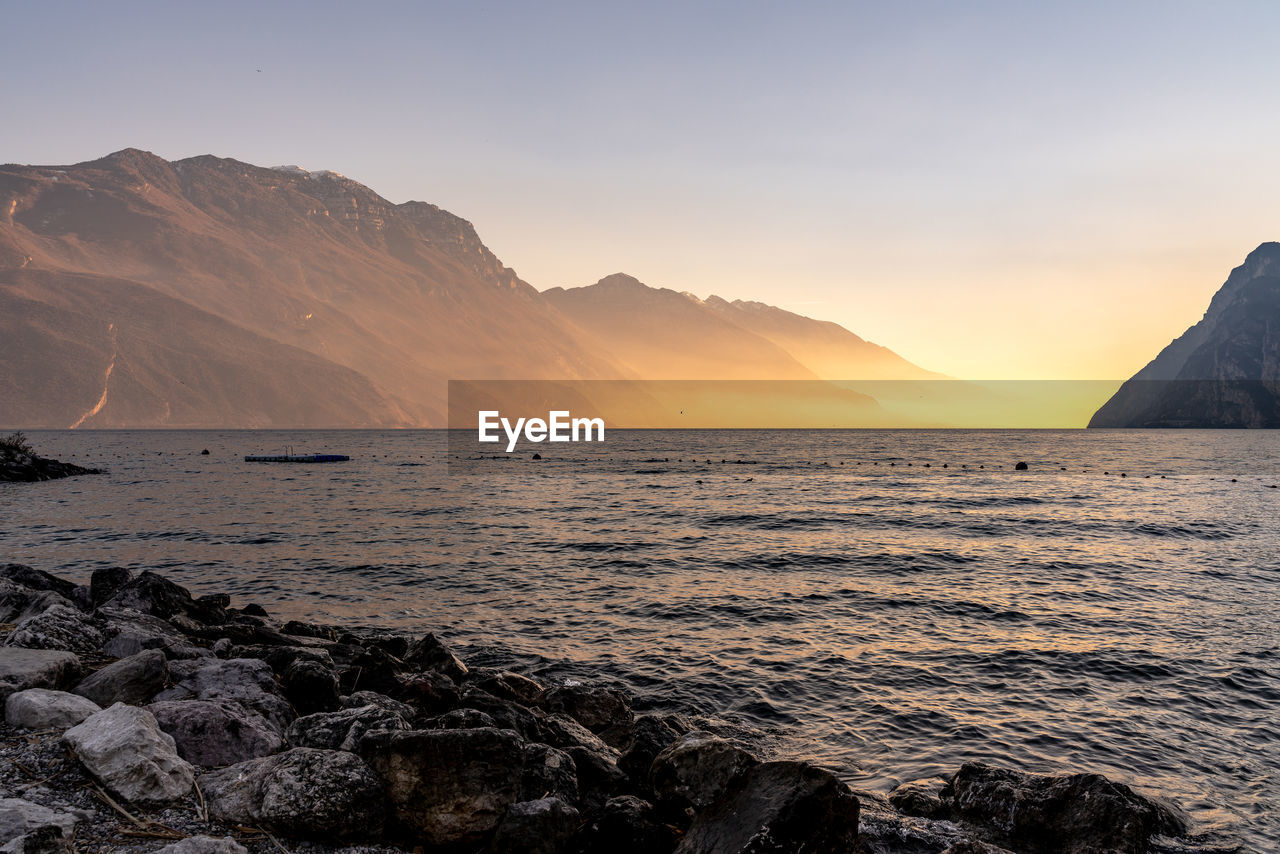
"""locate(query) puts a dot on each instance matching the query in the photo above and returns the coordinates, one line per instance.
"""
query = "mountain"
(209, 292)
(662, 334)
(826, 348)
(1222, 372)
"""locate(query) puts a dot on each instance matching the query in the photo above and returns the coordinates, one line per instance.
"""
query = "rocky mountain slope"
(207, 292)
(1222, 372)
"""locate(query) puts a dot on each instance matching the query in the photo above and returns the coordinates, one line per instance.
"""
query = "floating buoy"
(205, 452)
(537, 456)
(1020, 467)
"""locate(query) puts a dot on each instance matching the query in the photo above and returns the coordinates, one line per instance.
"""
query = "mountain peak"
(619, 281)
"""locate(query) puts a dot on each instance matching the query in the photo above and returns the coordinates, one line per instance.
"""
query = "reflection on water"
(887, 618)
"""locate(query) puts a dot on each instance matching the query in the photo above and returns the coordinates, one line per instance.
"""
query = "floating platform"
(297, 458)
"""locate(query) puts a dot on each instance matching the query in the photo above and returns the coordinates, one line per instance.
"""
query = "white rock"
(40, 708)
(125, 749)
(204, 845)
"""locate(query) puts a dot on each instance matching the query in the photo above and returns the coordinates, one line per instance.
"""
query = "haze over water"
(891, 621)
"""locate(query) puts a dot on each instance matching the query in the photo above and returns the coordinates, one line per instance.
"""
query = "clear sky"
(994, 190)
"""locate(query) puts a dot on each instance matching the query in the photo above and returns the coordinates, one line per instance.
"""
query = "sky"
(994, 190)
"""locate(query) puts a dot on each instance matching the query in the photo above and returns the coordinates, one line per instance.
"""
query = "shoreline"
(329, 738)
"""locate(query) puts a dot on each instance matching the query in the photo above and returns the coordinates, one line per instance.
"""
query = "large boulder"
(1071, 814)
(23, 823)
(214, 733)
(57, 627)
(696, 769)
(626, 825)
(311, 686)
(156, 595)
(430, 653)
(104, 583)
(21, 669)
(548, 772)
(18, 603)
(37, 579)
(248, 681)
(130, 632)
(542, 826)
(448, 786)
(343, 729)
(777, 807)
(306, 793)
(126, 751)
(650, 736)
(133, 680)
(921, 798)
(40, 708)
(604, 711)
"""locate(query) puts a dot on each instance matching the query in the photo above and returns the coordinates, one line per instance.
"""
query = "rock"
(305, 793)
(973, 846)
(130, 632)
(1020, 467)
(429, 653)
(777, 807)
(604, 711)
(449, 786)
(361, 669)
(204, 845)
(696, 769)
(20, 820)
(37, 579)
(565, 732)
(126, 751)
(626, 825)
(215, 733)
(311, 687)
(310, 630)
(246, 680)
(429, 692)
(547, 773)
(921, 798)
(461, 719)
(156, 595)
(133, 680)
(598, 777)
(342, 730)
(253, 609)
(382, 701)
(651, 736)
(40, 708)
(1065, 814)
(49, 839)
(57, 627)
(18, 603)
(21, 669)
(104, 583)
(506, 685)
(542, 826)
(222, 647)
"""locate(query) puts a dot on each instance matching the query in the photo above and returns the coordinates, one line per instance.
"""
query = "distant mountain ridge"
(1222, 372)
(207, 292)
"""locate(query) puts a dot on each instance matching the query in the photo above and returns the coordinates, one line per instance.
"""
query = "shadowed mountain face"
(1222, 372)
(138, 292)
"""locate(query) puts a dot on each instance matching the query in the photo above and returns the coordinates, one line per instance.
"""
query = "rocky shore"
(141, 718)
(19, 463)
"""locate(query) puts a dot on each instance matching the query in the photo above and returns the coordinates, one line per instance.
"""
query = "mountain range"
(207, 292)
